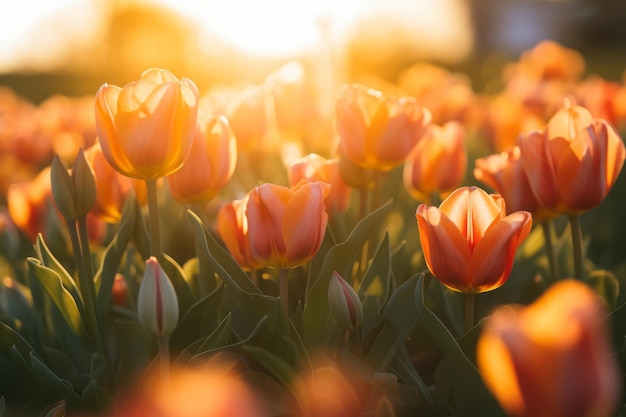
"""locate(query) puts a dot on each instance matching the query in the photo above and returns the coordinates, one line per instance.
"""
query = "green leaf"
(60, 296)
(284, 373)
(47, 259)
(110, 262)
(214, 343)
(226, 267)
(58, 409)
(57, 386)
(177, 276)
(141, 236)
(402, 366)
(470, 396)
(375, 286)
(400, 316)
(3, 407)
(340, 258)
(9, 337)
(606, 285)
(198, 320)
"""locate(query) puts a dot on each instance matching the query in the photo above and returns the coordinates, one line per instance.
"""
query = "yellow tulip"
(146, 127)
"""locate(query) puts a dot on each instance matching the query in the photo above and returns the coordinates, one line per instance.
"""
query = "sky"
(33, 32)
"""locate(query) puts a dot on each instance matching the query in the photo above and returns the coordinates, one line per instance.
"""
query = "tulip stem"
(577, 243)
(84, 243)
(85, 286)
(283, 277)
(153, 213)
(470, 299)
(164, 358)
(546, 226)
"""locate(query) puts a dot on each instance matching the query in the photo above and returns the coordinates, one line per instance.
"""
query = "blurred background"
(71, 47)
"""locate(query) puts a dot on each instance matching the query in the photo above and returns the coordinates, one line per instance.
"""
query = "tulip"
(551, 358)
(286, 226)
(112, 188)
(503, 172)
(437, 164)
(210, 164)
(146, 127)
(313, 168)
(157, 303)
(344, 303)
(232, 226)
(29, 204)
(378, 132)
(469, 242)
(247, 114)
(572, 164)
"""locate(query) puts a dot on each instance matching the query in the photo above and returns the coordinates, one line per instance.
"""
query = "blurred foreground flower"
(211, 389)
(146, 127)
(469, 242)
(552, 358)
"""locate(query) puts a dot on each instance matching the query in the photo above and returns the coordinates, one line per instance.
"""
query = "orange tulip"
(552, 358)
(30, 204)
(572, 164)
(437, 164)
(112, 188)
(210, 164)
(146, 127)
(468, 242)
(232, 226)
(313, 168)
(503, 172)
(247, 114)
(378, 132)
(286, 226)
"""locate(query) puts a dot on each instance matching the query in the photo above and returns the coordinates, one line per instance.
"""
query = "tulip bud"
(119, 292)
(157, 303)
(63, 189)
(84, 184)
(344, 303)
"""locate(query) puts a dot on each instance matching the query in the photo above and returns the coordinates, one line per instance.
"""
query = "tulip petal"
(445, 249)
(492, 259)
(580, 173)
(304, 222)
(472, 210)
(538, 165)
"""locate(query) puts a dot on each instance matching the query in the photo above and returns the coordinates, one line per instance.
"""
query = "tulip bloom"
(551, 358)
(232, 226)
(286, 226)
(146, 127)
(573, 163)
(468, 242)
(313, 168)
(503, 172)
(210, 164)
(437, 164)
(378, 132)
(30, 204)
(247, 114)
